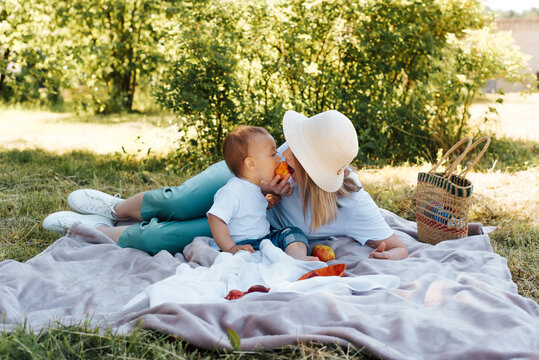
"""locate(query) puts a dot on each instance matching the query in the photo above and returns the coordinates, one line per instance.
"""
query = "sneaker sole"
(56, 226)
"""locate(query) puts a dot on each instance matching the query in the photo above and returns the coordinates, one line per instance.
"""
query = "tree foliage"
(27, 71)
(405, 72)
(96, 50)
(109, 45)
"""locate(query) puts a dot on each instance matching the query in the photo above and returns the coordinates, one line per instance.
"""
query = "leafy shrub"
(404, 72)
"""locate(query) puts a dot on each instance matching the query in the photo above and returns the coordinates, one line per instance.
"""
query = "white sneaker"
(89, 201)
(61, 221)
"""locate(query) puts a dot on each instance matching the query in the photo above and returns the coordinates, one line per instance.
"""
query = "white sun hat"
(324, 144)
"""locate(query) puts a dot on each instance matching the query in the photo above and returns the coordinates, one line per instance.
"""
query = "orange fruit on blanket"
(282, 169)
(332, 270)
(234, 294)
(323, 252)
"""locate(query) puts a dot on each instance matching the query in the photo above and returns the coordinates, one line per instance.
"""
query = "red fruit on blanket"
(234, 294)
(258, 288)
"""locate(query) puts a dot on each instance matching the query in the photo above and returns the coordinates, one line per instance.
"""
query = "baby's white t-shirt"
(242, 206)
(358, 216)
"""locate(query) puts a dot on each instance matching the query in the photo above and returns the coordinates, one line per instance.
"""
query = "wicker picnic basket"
(443, 198)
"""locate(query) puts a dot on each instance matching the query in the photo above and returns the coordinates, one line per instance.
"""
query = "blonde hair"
(236, 146)
(324, 205)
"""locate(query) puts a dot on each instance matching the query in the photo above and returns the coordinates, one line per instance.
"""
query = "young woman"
(322, 196)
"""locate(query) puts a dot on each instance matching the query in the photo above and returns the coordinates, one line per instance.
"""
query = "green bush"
(405, 72)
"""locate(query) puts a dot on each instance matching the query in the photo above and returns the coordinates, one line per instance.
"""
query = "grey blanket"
(456, 299)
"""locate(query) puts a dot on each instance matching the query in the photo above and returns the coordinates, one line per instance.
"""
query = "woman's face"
(291, 161)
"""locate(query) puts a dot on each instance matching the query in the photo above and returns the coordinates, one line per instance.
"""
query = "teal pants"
(174, 216)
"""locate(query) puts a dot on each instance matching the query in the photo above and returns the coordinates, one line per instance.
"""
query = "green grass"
(82, 342)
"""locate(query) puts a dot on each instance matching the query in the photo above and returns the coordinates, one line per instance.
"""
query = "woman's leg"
(130, 207)
(154, 235)
(113, 232)
(172, 217)
(190, 200)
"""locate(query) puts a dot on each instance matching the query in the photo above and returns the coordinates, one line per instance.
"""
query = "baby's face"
(264, 151)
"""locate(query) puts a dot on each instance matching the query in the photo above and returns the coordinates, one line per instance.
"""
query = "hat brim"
(293, 129)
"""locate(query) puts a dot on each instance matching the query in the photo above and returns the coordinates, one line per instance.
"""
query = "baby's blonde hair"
(324, 205)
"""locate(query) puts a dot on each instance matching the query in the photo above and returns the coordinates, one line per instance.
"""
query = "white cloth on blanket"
(270, 267)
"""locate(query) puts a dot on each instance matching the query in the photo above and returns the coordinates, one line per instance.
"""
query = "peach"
(323, 252)
(282, 169)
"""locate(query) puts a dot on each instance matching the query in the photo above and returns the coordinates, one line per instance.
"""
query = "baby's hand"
(272, 199)
(235, 248)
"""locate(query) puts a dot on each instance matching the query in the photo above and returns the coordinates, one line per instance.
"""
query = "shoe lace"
(115, 201)
(105, 205)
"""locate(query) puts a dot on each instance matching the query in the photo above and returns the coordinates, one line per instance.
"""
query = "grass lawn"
(39, 168)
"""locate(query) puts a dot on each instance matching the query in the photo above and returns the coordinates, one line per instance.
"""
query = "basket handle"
(457, 160)
(478, 157)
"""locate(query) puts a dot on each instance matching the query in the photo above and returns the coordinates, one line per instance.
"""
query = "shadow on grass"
(78, 164)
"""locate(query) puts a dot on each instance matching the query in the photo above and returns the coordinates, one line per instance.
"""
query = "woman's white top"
(358, 216)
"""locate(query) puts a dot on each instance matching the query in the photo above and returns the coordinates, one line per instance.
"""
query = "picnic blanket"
(455, 300)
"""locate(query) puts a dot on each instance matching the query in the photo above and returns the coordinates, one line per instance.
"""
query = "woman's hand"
(379, 252)
(277, 186)
(391, 248)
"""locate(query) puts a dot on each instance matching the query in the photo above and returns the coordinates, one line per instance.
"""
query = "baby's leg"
(293, 241)
(298, 250)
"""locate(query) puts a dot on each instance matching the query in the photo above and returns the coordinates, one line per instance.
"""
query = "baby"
(237, 218)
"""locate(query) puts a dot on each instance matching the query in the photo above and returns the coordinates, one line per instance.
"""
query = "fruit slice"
(332, 270)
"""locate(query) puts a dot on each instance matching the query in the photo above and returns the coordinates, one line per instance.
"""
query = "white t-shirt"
(358, 216)
(242, 206)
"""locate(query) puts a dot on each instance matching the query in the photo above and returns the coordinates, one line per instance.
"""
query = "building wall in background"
(526, 34)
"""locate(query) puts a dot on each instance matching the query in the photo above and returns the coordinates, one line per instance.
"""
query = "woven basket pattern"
(443, 199)
(442, 207)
